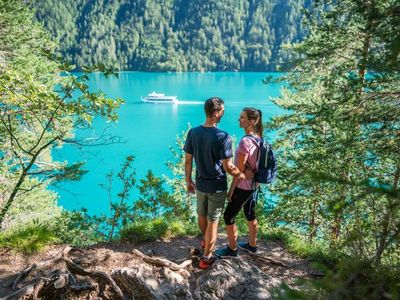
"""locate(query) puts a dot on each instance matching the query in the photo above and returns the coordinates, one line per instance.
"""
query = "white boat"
(159, 98)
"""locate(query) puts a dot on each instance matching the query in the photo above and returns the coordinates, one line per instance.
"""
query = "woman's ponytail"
(259, 126)
(256, 115)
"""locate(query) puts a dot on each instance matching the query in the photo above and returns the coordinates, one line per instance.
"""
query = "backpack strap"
(256, 143)
(254, 140)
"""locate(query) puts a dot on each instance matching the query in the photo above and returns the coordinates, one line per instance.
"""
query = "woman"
(243, 193)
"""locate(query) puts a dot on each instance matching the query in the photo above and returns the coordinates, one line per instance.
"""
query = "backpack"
(266, 161)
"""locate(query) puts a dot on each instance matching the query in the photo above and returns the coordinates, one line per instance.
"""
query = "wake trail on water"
(190, 102)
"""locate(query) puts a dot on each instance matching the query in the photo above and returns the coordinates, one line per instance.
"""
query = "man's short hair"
(212, 105)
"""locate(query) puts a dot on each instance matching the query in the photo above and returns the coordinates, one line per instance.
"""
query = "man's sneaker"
(205, 263)
(246, 247)
(226, 252)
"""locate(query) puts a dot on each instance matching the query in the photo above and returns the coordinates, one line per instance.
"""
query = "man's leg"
(202, 211)
(210, 237)
(202, 221)
(215, 207)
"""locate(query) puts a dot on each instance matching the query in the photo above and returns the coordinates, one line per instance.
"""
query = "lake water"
(148, 129)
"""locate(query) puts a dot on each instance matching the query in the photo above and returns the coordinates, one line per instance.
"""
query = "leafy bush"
(351, 279)
(75, 228)
(150, 230)
(29, 239)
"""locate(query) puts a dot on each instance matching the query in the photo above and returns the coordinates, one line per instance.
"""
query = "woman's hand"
(229, 196)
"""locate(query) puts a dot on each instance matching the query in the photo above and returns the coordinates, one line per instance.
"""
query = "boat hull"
(156, 101)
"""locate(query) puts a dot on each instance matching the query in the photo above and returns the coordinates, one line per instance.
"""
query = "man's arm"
(190, 186)
(231, 169)
(241, 162)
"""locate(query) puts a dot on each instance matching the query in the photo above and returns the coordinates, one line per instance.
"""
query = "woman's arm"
(240, 164)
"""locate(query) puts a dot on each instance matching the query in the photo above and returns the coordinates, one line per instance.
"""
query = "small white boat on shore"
(159, 98)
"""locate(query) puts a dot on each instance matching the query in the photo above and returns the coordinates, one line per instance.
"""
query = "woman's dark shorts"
(241, 198)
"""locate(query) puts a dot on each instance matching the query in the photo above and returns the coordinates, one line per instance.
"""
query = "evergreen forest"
(175, 35)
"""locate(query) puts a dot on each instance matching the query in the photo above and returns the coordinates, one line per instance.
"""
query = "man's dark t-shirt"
(209, 145)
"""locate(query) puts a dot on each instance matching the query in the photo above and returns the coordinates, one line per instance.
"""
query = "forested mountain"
(174, 35)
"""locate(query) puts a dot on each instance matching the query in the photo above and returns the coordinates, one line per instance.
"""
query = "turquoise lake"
(148, 129)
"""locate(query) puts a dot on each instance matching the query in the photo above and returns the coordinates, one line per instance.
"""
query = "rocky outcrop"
(233, 278)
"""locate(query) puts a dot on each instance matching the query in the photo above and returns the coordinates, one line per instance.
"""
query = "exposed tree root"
(162, 262)
(25, 291)
(74, 268)
(61, 276)
(270, 260)
(93, 275)
(40, 266)
(281, 264)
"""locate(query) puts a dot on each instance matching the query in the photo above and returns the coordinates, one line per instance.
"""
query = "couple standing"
(211, 149)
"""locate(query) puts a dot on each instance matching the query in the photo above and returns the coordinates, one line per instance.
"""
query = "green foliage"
(106, 226)
(175, 35)
(338, 147)
(351, 279)
(154, 200)
(338, 144)
(36, 204)
(185, 204)
(318, 253)
(120, 209)
(75, 228)
(150, 230)
(28, 239)
(39, 109)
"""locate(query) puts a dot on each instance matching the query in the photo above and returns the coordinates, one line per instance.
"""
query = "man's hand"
(248, 174)
(190, 187)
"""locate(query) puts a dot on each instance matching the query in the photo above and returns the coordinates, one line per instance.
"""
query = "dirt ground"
(272, 259)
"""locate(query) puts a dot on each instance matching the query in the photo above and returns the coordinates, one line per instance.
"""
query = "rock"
(233, 279)
(150, 252)
(138, 282)
(142, 282)
(226, 279)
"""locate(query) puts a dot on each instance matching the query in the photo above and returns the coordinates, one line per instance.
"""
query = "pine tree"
(340, 139)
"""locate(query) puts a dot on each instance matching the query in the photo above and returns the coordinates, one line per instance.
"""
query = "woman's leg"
(238, 199)
(253, 229)
(249, 211)
(232, 232)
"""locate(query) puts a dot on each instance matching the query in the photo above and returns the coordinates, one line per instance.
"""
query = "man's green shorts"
(210, 204)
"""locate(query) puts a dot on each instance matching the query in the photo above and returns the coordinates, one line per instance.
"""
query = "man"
(211, 149)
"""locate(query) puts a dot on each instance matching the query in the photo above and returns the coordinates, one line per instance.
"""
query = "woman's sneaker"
(205, 263)
(226, 252)
(246, 247)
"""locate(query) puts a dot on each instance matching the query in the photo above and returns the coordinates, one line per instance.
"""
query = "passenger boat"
(159, 98)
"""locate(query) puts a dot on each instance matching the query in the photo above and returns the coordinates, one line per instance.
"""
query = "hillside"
(174, 35)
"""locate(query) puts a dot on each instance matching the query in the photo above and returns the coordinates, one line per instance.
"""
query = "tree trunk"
(313, 225)
(387, 220)
(336, 227)
(21, 179)
(10, 200)
(366, 45)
